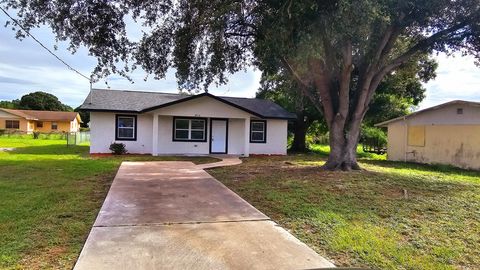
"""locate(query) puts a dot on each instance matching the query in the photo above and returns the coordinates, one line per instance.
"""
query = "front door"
(218, 136)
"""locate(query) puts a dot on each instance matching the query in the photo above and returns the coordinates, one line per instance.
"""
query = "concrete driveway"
(174, 215)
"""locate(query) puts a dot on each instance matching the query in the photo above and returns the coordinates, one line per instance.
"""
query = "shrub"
(373, 140)
(36, 134)
(118, 148)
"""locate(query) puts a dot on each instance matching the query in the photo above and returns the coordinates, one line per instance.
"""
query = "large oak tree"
(339, 51)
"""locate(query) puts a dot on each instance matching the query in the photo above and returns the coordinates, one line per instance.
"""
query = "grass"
(389, 216)
(49, 198)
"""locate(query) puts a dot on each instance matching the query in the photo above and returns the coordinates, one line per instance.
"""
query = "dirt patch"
(53, 258)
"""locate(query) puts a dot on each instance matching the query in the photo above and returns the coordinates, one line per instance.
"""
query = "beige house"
(445, 134)
(43, 121)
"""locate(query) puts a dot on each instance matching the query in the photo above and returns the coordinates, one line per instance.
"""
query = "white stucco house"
(176, 124)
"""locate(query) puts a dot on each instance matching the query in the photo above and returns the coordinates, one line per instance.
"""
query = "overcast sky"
(26, 67)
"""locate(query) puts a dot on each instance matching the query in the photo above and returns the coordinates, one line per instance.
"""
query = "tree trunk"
(343, 147)
(299, 133)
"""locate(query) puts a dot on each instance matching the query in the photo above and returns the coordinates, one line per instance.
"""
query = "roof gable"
(430, 109)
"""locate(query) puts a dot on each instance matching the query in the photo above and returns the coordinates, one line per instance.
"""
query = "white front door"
(218, 136)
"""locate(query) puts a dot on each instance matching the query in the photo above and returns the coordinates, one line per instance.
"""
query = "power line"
(43, 46)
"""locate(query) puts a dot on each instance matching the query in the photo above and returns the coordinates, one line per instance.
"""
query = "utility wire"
(43, 46)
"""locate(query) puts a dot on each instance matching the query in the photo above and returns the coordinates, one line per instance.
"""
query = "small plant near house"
(36, 134)
(118, 148)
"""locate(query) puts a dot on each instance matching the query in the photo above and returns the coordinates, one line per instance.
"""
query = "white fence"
(75, 138)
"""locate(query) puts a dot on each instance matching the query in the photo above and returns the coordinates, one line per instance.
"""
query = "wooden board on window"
(416, 135)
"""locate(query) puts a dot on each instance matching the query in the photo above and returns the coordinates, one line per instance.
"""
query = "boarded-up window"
(416, 135)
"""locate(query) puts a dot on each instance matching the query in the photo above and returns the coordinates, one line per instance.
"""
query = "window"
(39, 124)
(189, 129)
(459, 110)
(126, 128)
(14, 124)
(258, 131)
(54, 125)
(416, 136)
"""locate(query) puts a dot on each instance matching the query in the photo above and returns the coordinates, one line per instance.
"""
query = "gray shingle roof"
(139, 102)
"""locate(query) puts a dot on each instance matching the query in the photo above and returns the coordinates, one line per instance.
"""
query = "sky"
(26, 67)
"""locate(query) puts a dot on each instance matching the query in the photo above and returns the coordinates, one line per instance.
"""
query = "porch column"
(246, 151)
(155, 135)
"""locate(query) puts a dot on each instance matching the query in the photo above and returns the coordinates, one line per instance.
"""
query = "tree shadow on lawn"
(82, 151)
(357, 213)
(446, 170)
(51, 149)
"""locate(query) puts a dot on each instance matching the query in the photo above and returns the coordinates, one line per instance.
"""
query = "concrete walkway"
(174, 215)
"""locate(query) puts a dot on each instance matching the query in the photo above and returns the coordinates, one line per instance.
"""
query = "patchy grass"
(49, 198)
(389, 216)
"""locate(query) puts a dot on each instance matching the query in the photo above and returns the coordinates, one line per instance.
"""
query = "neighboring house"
(43, 121)
(163, 123)
(446, 134)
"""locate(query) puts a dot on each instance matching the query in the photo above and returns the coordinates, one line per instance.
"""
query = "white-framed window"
(258, 131)
(12, 124)
(126, 128)
(189, 129)
(54, 125)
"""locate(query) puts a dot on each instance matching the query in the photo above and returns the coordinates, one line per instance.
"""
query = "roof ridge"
(140, 91)
(174, 94)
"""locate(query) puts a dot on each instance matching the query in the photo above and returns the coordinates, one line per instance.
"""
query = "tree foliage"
(339, 51)
(84, 115)
(36, 101)
(42, 101)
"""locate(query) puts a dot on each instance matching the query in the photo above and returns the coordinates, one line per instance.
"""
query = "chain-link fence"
(75, 138)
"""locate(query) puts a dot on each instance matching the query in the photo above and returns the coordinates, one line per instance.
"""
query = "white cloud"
(457, 78)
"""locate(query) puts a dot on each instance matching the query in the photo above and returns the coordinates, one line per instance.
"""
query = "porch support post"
(155, 135)
(246, 151)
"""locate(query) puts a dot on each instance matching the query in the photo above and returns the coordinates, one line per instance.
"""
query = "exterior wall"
(4, 116)
(276, 139)
(47, 126)
(166, 145)
(448, 116)
(75, 125)
(23, 123)
(102, 133)
(396, 141)
(236, 136)
(457, 145)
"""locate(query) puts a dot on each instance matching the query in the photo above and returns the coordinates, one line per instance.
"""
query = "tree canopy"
(338, 51)
(37, 101)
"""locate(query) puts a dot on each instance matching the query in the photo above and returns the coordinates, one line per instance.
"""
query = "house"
(165, 123)
(43, 121)
(446, 134)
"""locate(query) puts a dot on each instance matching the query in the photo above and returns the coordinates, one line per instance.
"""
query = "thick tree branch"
(322, 84)
(302, 84)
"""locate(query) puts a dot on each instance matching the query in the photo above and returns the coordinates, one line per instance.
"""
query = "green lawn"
(49, 198)
(389, 216)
